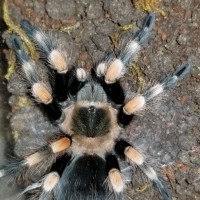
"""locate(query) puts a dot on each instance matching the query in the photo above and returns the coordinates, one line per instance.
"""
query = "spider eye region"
(91, 121)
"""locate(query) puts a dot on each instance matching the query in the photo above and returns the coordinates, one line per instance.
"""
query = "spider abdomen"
(84, 178)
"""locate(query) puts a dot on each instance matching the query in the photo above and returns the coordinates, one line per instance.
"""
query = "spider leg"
(115, 179)
(52, 150)
(27, 189)
(112, 68)
(49, 183)
(134, 157)
(40, 90)
(117, 67)
(67, 80)
(77, 81)
(138, 103)
(51, 180)
(114, 90)
(47, 186)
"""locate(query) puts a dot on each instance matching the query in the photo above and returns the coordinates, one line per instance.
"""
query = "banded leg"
(47, 186)
(58, 61)
(77, 81)
(117, 67)
(53, 149)
(52, 179)
(138, 103)
(115, 179)
(50, 182)
(134, 157)
(114, 91)
(39, 89)
(112, 68)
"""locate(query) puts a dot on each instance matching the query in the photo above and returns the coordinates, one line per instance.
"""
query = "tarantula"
(91, 111)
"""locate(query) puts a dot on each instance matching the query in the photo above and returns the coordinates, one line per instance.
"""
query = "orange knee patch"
(116, 180)
(60, 145)
(115, 71)
(35, 158)
(42, 93)
(134, 105)
(50, 181)
(58, 61)
(133, 155)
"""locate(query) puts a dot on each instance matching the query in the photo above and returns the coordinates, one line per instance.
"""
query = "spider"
(91, 111)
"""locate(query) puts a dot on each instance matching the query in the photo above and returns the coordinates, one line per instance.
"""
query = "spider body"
(91, 111)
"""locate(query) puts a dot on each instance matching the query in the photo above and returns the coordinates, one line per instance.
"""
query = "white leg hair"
(54, 149)
(115, 181)
(47, 185)
(48, 47)
(115, 69)
(27, 189)
(134, 157)
(102, 67)
(40, 90)
(138, 103)
(81, 74)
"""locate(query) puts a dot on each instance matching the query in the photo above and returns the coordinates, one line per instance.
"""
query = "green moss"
(11, 64)
(15, 28)
(22, 101)
(127, 27)
(135, 71)
(69, 29)
(150, 6)
(143, 188)
(16, 135)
